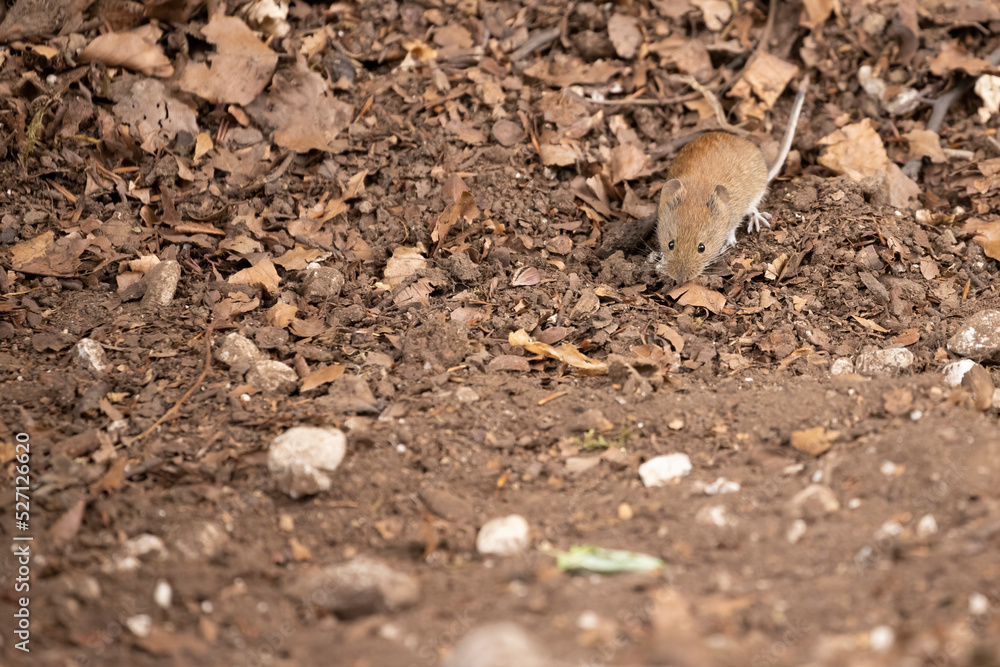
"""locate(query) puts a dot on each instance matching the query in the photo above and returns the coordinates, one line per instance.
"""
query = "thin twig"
(635, 101)
(536, 42)
(166, 415)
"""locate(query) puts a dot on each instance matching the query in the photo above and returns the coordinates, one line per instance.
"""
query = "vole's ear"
(719, 199)
(672, 194)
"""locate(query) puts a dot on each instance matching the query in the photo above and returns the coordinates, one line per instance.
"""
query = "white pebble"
(90, 355)
(662, 470)
(163, 595)
(881, 638)
(722, 485)
(842, 367)
(301, 458)
(927, 526)
(956, 370)
(588, 620)
(796, 531)
(140, 625)
(504, 536)
(888, 468)
(978, 604)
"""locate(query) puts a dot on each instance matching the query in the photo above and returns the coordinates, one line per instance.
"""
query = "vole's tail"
(793, 121)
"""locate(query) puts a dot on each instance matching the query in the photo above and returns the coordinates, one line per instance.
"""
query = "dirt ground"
(469, 170)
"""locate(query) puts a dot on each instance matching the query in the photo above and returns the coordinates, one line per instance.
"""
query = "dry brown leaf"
(857, 151)
(693, 294)
(526, 276)
(672, 336)
(987, 235)
(419, 291)
(241, 244)
(869, 324)
(625, 34)
(45, 255)
(689, 56)
(66, 526)
(239, 71)
(562, 154)
(908, 337)
(299, 257)
(235, 304)
(321, 376)
(925, 143)
(716, 13)
(155, 114)
(453, 188)
(953, 56)
(262, 273)
(453, 36)
(464, 207)
(281, 314)
(566, 353)
(767, 77)
(405, 262)
(813, 441)
(314, 326)
(114, 478)
(136, 50)
(775, 268)
(304, 113)
(815, 12)
(628, 162)
(562, 70)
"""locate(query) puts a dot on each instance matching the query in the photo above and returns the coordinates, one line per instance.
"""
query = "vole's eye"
(701, 247)
(671, 245)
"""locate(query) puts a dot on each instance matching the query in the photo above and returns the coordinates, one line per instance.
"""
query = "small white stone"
(466, 395)
(662, 470)
(504, 536)
(956, 370)
(301, 458)
(163, 595)
(979, 336)
(588, 620)
(842, 366)
(815, 499)
(141, 545)
(795, 531)
(90, 355)
(722, 485)
(927, 526)
(716, 515)
(888, 362)
(978, 604)
(140, 625)
(273, 377)
(916, 415)
(888, 468)
(237, 352)
(881, 638)
(854, 503)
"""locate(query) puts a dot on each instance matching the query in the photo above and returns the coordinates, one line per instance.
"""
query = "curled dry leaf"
(321, 376)
(925, 143)
(857, 151)
(525, 277)
(775, 268)
(987, 235)
(239, 71)
(136, 50)
(261, 274)
(767, 77)
(693, 294)
(281, 314)
(953, 57)
(689, 56)
(463, 207)
(625, 35)
(813, 441)
(628, 162)
(304, 113)
(566, 353)
(405, 262)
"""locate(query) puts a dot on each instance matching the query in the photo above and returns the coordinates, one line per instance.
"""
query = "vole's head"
(692, 228)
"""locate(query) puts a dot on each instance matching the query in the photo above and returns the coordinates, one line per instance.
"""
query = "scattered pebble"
(795, 531)
(854, 503)
(466, 395)
(722, 485)
(504, 536)
(881, 638)
(888, 468)
(716, 515)
(201, 539)
(273, 377)
(625, 512)
(360, 587)
(90, 355)
(588, 620)
(885, 362)
(161, 284)
(140, 625)
(927, 526)
(813, 502)
(979, 337)
(842, 366)
(675, 424)
(498, 645)
(301, 458)
(662, 470)
(978, 604)
(237, 352)
(142, 545)
(956, 370)
(163, 595)
(322, 283)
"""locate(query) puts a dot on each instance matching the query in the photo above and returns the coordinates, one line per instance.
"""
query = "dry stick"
(633, 101)
(536, 42)
(941, 107)
(166, 415)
